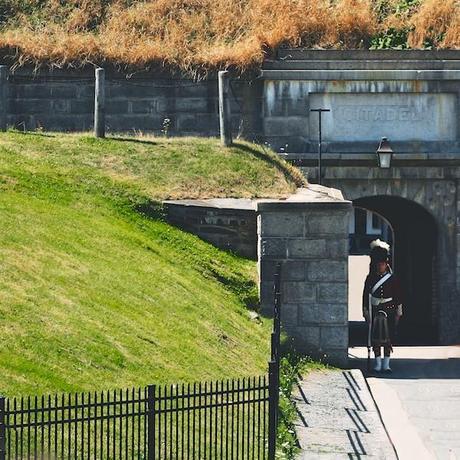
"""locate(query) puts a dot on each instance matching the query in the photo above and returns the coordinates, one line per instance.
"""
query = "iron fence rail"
(225, 419)
(220, 420)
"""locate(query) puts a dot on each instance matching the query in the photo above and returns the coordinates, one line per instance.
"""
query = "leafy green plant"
(390, 39)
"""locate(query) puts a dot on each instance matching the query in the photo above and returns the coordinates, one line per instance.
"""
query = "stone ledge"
(312, 195)
(350, 75)
(400, 55)
(219, 203)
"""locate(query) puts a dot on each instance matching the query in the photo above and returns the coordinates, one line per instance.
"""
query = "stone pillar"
(309, 234)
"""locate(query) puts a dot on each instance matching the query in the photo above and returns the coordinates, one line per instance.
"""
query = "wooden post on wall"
(99, 103)
(224, 109)
(3, 96)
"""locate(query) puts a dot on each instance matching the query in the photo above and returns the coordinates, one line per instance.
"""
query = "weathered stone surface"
(289, 125)
(28, 106)
(63, 91)
(203, 122)
(147, 106)
(298, 291)
(191, 104)
(145, 122)
(294, 270)
(325, 223)
(307, 339)
(31, 91)
(328, 270)
(116, 107)
(334, 337)
(60, 106)
(309, 314)
(303, 317)
(333, 313)
(273, 247)
(332, 292)
(358, 117)
(323, 314)
(82, 106)
(289, 314)
(304, 249)
(337, 248)
(283, 224)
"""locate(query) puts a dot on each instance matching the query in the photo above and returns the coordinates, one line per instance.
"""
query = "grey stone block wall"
(435, 190)
(233, 229)
(413, 99)
(63, 100)
(311, 240)
(410, 98)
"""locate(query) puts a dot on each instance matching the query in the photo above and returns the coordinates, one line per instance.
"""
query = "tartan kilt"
(383, 326)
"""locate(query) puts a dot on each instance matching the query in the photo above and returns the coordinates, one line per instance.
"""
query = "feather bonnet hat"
(380, 251)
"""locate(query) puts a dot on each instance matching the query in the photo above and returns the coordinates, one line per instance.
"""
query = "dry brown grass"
(197, 35)
(436, 22)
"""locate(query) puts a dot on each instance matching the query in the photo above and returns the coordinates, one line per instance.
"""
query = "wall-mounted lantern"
(384, 153)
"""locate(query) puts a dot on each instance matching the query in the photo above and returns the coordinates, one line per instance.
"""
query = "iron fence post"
(272, 410)
(274, 351)
(274, 367)
(2, 429)
(151, 392)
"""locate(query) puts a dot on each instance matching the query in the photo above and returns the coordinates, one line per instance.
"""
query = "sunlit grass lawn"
(96, 294)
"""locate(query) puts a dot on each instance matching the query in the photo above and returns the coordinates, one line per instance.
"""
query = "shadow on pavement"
(411, 368)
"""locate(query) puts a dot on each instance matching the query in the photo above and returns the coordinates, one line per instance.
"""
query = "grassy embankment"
(199, 35)
(96, 294)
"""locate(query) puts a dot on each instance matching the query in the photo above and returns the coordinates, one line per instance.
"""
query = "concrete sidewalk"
(420, 400)
(338, 419)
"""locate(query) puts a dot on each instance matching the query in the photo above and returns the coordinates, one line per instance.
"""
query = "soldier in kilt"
(382, 304)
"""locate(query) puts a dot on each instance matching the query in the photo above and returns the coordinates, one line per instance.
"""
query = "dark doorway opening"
(414, 250)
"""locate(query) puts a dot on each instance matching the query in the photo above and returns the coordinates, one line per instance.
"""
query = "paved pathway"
(420, 400)
(338, 418)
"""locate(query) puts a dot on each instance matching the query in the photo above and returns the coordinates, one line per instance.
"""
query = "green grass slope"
(95, 293)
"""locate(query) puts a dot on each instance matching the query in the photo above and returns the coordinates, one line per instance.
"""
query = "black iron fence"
(231, 419)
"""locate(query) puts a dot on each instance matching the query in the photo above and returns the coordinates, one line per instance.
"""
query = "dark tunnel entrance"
(413, 259)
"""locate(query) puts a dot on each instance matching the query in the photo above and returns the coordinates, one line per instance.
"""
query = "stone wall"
(410, 97)
(435, 189)
(308, 233)
(63, 100)
(227, 224)
(310, 238)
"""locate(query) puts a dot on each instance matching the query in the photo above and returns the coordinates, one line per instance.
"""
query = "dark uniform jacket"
(391, 288)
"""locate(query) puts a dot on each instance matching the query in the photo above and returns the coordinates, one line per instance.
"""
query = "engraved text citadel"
(385, 113)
